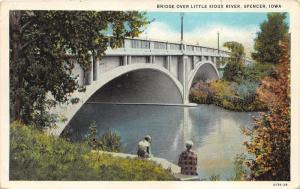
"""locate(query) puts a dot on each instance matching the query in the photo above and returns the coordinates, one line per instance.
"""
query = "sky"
(202, 28)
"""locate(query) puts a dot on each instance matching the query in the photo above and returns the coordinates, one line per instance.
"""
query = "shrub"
(214, 177)
(247, 90)
(202, 93)
(240, 169)
(109, 141)
(233, 72)
(223, 89)
(229, 95)
(257, 71)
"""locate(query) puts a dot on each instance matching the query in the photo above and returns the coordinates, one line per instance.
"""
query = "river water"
(216, 132)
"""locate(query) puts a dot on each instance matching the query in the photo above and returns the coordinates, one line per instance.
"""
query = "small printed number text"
(279, 184)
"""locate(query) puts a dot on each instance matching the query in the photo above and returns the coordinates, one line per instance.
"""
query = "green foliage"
(43, 48)
(246, 90)
(237, 90)
(233, 72)
(109, 141)
(201, 92)
(92, 137)
(220, 62)
(37, 156)
(240, 169)
(214, 177)
(229, 95)
(116, 168)
(273, 30)
(257, 71)
(237, 51)
(235, 64)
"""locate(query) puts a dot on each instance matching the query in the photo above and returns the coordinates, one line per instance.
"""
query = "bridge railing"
(144, 44)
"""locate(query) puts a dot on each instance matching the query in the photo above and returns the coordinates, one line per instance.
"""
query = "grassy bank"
(37, 156)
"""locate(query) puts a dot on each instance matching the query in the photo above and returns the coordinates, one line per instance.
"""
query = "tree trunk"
(16, 77)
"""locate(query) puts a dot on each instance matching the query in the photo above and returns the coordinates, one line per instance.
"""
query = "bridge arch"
(206, 70)
(67, 112)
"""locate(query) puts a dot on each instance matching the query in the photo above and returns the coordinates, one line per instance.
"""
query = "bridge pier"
(193, 62)
(182, 77)
(128, 60)
(168, 60)
(124, 61)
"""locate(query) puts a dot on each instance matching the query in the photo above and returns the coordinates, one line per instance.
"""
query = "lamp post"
(181, 39)
(218, 42)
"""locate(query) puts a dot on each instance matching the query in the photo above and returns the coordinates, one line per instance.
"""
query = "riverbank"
(228, 95)
(38, 156)
(167, 165)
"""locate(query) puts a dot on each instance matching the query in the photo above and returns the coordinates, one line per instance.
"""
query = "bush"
(240, 169)
(229, 95)
(202, 93)
(247, 90)
(37, 156)
(257, 71)
(109, 141)
(214, 177)
(233, 72)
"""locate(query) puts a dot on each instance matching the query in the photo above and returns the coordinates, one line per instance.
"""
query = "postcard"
(150, 94)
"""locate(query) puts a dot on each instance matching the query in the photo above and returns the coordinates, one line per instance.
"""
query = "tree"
(234, 67)
(270, 137)
(92, 137)
(43, 45)
(273, 30)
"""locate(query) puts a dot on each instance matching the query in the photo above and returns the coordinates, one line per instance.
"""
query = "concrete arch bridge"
(144, 72)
